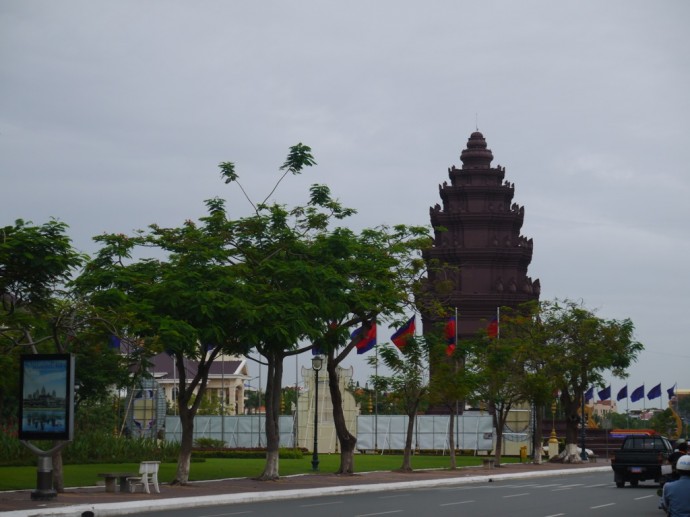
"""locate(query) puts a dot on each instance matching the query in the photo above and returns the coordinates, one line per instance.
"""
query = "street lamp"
(316, 364)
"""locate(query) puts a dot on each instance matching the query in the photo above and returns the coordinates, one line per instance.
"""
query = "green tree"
(408, 382)
(523, 325)
(371, 275)
(224, 286)
(583, 347)
(664, 423)
(40, 313)
(450, 385)
(500, 364)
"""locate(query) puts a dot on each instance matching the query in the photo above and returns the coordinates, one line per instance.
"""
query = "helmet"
(680, 441)
(684, 463)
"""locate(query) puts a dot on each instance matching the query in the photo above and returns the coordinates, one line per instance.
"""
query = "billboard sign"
(46, 409)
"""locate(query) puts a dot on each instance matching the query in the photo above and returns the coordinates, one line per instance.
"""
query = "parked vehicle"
(642, 456)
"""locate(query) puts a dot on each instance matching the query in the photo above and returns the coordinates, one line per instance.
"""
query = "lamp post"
(316, 364)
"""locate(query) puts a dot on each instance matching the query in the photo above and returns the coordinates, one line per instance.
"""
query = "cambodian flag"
(492, 328)
(368, 341)
(404, 333)
(451, 335)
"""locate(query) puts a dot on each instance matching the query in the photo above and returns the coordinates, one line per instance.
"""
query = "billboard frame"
(46, 398)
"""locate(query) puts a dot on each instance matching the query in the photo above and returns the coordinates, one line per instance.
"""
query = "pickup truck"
(641, 457)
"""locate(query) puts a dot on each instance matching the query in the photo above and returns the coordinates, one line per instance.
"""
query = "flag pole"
(376, 401)
(498, 322)
(456, 367)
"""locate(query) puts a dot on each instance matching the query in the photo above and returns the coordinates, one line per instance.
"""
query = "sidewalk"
(76, 501)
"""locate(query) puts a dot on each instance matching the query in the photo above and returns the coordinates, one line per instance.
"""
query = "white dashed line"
(459, 502)
(601, 506)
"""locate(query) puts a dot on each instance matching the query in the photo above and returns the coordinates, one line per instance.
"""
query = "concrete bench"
(488, 462)
(148, 471)
(111, 479)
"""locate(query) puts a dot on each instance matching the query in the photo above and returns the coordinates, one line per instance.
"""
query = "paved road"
(589, 494)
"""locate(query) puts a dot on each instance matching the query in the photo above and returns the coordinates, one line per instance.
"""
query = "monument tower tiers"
(477, 242)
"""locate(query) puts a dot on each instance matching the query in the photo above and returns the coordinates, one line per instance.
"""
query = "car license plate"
(636, 470)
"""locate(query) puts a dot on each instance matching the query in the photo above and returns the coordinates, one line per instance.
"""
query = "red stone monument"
(478, 252)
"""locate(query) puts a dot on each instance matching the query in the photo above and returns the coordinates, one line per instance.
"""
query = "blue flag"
(671, 391)
(637, 394)
(605, 394)
(589, 395)
(623, 393)
(655, 392)
(114, 341)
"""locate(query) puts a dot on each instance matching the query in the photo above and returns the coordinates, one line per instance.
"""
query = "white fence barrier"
(386, 432)
(383, 432)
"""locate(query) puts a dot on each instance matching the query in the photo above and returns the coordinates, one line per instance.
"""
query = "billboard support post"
(44, 471)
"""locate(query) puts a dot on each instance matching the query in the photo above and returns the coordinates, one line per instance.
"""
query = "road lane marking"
(645, 497)
(320, 504)
(601, 506)
(459, 502)
(555, 515)
(379, 513)
(597, 485)
(226, 514)
(393, 496)
(515, 495)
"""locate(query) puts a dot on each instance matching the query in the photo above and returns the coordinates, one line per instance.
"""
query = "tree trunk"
(346, 440)
(273, 386)
(498, 424)
(571, 407)
(184, 458)
(58, 471)
(538, 437)
(500, 417)
(407, 454)
(451, 438)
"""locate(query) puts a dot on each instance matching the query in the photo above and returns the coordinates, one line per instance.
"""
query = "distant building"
(603, 408)
(225, 380)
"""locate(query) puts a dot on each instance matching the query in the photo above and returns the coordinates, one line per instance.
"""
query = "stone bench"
(488, 462)
(111, 479)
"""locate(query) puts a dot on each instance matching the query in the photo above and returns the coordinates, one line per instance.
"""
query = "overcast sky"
(115, 114)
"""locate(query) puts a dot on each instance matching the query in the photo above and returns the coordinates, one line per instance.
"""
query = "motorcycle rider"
(681, 450)
(676, 494)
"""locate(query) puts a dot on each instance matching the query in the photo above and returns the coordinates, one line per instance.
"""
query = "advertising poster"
(47, 397)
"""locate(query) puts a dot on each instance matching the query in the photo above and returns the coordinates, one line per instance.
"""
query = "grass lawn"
(19, 478)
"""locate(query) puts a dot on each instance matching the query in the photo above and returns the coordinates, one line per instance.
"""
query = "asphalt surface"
(80, 501)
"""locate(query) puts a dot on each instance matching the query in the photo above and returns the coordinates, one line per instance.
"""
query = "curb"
(124, 508)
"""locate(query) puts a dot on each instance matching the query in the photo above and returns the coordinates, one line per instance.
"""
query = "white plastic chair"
(148, 471)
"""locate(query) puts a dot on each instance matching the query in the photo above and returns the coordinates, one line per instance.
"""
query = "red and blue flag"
(404, 333)
(451, 335)
(368, 341)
